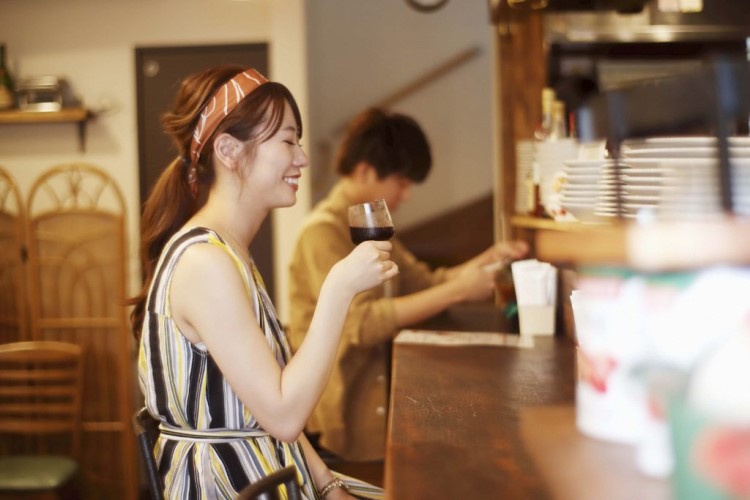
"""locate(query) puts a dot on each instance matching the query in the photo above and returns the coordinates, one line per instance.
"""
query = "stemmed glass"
(370, 221)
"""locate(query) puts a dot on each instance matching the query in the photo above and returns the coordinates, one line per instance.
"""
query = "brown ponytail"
(168, 207)
(170, 204)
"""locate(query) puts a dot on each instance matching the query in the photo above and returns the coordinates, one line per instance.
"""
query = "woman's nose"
(300, 159)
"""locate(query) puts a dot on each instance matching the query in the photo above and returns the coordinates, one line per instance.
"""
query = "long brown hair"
(170, 203)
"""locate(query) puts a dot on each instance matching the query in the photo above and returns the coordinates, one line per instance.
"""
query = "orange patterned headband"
(221, 104)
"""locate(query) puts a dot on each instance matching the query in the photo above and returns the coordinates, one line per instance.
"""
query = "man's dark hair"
(391, 143)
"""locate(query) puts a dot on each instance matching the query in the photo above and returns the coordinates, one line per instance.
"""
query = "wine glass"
(370, 221)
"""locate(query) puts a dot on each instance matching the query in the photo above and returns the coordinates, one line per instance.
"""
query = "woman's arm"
(210, 304)
(320, 472)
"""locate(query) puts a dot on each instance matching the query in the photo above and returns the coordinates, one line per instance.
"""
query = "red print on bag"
(595, 370)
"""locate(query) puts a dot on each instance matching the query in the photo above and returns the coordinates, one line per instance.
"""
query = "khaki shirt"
(351, 414)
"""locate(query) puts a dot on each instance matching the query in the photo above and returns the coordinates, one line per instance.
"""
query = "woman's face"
(274, 173)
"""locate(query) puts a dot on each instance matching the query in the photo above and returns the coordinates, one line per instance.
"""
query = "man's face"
(394, 189)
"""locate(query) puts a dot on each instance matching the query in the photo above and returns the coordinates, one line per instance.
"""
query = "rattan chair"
(40, 417)
(13, 297)
(77, 287)
(269, 487)
(146, 430)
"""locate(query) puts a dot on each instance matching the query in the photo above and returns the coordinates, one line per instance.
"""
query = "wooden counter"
(593, 469)
(453, 428)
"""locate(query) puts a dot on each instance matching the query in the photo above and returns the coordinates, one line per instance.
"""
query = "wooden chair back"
(41, 389)
(13, 298)
(77, 287)
(269, 487)
(146, 430)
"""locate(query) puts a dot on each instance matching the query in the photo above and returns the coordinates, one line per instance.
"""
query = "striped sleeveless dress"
(210, 446)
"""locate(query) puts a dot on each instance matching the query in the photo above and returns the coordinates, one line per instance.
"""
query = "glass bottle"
(559, 130)
(544, 130)
(543, 133)
(7, 94)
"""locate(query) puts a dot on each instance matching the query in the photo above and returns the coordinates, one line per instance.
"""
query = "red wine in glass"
(360, 234)
(370, 221)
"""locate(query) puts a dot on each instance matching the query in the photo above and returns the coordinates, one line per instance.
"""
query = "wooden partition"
(13, 299)
(77, 284)
(521, 76)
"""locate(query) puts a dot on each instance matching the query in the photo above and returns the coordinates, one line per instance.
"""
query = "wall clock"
(426, 5)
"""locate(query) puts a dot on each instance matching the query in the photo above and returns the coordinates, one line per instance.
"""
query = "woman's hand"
(368, 265)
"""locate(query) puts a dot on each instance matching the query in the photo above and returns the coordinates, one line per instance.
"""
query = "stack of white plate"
(549, 158)
(586, 188)
(590, 188)
(641, 184)
(688, 169)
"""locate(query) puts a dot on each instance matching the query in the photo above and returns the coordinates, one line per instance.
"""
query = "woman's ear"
(227, 149)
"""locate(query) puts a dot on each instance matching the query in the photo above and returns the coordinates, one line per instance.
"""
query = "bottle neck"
(558, 126)
(544, 131)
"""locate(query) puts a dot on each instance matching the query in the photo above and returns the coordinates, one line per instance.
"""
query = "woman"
(214, 363)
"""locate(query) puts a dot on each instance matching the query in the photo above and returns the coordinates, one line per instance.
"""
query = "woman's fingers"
(390, 269)
(383, 245)
(377, 253)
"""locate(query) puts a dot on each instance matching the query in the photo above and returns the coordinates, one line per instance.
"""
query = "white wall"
(92, 42)
(352, 53)
(361, 51)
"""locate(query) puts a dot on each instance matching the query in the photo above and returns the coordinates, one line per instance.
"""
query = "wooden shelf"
(651, 247)
(66, 115)
(531, 222)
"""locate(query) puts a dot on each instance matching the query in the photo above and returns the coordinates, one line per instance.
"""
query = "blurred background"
(337, 57)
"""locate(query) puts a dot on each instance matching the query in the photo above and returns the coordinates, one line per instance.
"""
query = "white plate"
(592, 193)
(641, 188)
(581, 171)
(588, 163)
(641, 181)
(582, 179)
(682, 141)
(580, 186)
(679, 153)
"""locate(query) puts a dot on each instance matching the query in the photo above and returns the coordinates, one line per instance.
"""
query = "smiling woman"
(214, 363)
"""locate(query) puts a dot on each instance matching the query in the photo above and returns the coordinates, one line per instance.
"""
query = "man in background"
(382, 156)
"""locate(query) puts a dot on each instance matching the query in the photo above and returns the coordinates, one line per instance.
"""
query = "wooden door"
(159, 71)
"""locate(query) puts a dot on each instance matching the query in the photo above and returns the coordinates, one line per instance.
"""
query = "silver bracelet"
(332, 485)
